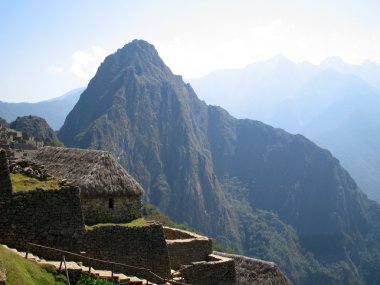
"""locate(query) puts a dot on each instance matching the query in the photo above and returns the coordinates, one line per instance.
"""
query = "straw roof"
(252, 271)
(96, 172)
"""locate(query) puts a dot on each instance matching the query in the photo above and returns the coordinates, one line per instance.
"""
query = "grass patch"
(20, 271)
(135, 223)
(21, 182)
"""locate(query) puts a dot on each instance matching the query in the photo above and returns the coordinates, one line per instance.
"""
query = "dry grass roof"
(96, 172)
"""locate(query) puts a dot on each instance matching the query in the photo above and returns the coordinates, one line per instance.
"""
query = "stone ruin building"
(108, 193)
(58, 218)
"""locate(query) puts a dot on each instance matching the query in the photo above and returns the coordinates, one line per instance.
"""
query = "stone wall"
(217, 270)
(252, 271)
(47, 217)
(172, 233)
(185, 247)
(104, 210)
(5, 179)
(138, 246)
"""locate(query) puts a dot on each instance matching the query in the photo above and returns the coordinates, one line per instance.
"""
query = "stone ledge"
(186, 247)
(255, 271)
(177, 234)
(216, 270)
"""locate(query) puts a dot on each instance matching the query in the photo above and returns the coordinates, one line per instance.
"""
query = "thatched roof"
(256, 272)
(96, 172)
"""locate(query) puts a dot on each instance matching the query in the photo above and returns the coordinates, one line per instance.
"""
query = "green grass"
(21, 182)
(20, 271)
(135, 223)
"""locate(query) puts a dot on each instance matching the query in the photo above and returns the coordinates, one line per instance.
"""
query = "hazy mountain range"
(257, 189)
(54, 111)
(334, 104)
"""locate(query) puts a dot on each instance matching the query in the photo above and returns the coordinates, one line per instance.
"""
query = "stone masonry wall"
(97, 209)
(172, 233)
(47, 217)
(217, 270)
(5, 179)
(54, 218)
(185, 247)
(138, 246)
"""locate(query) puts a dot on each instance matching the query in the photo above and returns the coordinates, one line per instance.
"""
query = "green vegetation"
(21, 182)
(87, 280)
(152, 213)
(36, 127)
(20, 271)
(135, 223)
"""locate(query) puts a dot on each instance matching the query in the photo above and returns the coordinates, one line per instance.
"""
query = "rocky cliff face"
(257, 189)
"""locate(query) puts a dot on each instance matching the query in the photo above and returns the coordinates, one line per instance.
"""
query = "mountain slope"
(54, 111)
(257, 189)
(126, 109)
(3, 122)
(339, 112)
(332, 104)
(36, 127)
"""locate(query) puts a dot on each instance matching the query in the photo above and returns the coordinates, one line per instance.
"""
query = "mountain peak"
(138, 46)
(138, 55)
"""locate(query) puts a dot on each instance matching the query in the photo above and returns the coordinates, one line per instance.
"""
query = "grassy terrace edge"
(21, 182)
(140, 222)
(20, 271)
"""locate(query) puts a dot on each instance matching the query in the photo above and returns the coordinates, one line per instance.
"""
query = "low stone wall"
(49, 217)
(185, 247)
(217, 270)
(111, 210)
(138, 246)
(171, 233)
(5, 179)
(252, 271)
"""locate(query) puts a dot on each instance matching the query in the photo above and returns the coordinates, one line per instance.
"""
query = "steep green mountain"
(54, 111)
(340, 112)
(333, 104)
(36, 127)
(260, 190)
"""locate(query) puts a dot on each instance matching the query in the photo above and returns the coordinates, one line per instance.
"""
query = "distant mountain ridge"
(255, 188)
(333, 104)
(54, 111)
(368, 71)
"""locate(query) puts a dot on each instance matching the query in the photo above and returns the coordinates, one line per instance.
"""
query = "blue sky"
(50, 47)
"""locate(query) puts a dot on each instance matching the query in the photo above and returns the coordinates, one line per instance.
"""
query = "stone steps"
(79, 269)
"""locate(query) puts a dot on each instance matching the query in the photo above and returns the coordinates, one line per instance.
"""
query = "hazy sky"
(50, 47)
